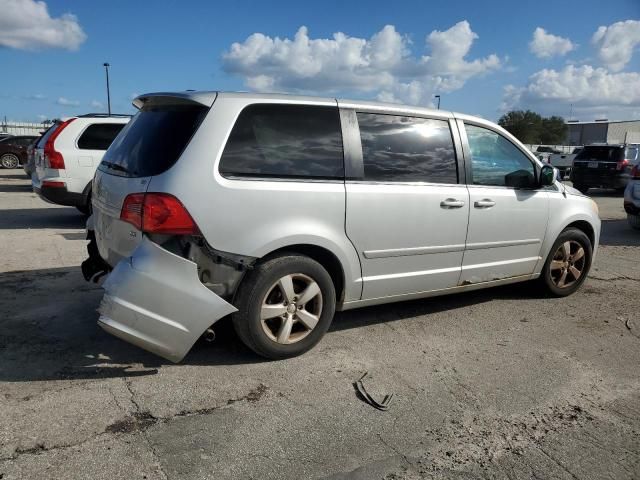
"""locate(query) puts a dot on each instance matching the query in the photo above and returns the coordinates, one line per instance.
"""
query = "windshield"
(153, 140)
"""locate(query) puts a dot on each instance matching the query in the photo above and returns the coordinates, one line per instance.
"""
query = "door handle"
(452, 203)
(484, 203)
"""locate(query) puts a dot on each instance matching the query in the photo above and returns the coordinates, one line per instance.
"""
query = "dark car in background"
(604, 166)
(13, 151)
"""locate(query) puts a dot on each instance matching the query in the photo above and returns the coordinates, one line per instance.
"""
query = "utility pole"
(106, 69)
(438, 97)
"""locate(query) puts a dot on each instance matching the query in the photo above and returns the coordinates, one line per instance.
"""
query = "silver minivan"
(280, 210)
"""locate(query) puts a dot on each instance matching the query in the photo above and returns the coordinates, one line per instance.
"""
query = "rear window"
(407, 149)
(285, 141)
(153, 140)
(631, 154)
(99, 136)
(46, 135)
(601, 153)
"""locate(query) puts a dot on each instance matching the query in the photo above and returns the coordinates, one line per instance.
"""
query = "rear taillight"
(622, 163)
(53, 158)
(158, 213)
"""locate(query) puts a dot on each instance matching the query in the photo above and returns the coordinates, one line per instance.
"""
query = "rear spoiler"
(205, 99)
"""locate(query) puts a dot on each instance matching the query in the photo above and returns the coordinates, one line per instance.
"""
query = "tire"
(9, 160)
(559, 264)
(87, 208)
(582, 189)
(634, 221)
(270, 338)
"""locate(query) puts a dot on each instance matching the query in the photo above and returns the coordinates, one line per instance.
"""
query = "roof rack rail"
(105, 115)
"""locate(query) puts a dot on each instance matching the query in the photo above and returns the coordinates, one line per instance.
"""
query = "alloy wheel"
(291, 309)
(567, 264)
(9, 161)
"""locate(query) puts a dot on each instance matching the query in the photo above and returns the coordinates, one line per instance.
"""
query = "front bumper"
(155, 300)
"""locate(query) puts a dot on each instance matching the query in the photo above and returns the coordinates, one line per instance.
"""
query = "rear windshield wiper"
(117, 168)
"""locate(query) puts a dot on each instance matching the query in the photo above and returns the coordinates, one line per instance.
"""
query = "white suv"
(281, 210)
(67, 155)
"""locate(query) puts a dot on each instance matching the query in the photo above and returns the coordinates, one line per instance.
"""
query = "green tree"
(530, 127)
(554, 131)
(524, 125)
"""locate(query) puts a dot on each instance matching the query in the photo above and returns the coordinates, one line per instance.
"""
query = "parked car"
(604, 166)
(281, 210)
(632, 198)
(564, 161)
(13, 151)
(29, 166)
(67, 155)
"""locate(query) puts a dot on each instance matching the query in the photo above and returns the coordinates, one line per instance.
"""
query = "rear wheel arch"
(323, 256)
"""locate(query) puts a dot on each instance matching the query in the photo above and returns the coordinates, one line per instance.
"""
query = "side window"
(285, 141)
(496, 161)
(407, 149)
(99, 136)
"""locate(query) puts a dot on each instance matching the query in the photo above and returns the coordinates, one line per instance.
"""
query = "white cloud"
(615, 43)
(67, 103)
(381, 65)
(590, 90)
(96, 104)
(27, 25)
(546, 45)
(35, 96)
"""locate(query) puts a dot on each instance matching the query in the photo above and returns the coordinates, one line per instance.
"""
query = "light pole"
(106, 69)
(438, 97)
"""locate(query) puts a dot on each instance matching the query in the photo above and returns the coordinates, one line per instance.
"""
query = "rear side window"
(285, 141)
(407, 149)
(601, 153)
(153, 140)
(99, 136)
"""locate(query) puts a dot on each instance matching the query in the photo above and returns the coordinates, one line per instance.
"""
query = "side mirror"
(520, 179)
(548, 175)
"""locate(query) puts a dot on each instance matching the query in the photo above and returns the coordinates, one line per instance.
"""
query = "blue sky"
(480, 62)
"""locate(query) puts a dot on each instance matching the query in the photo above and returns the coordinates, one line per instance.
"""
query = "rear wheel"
(634, 221)
(9, 160)
(568, 263)
(286, 305)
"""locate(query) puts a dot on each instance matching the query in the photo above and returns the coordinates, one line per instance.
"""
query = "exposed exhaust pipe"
(209, 335)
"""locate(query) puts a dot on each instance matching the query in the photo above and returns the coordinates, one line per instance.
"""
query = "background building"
(585, 133)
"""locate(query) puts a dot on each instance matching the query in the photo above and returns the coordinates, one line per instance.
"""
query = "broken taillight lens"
(158, 213)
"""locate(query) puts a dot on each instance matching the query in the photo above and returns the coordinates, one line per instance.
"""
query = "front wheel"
(285, 306)
(9, 160)
(568, 263)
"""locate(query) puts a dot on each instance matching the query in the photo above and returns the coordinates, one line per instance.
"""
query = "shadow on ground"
(619, 233)
(17, 187)
(44, 340)
(23, 218)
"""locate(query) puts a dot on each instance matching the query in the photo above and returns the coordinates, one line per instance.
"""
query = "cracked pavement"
(500, 383)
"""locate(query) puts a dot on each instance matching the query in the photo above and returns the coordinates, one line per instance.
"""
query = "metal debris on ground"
(365, 396)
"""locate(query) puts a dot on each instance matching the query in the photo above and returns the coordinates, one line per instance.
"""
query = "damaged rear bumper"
(155, 300)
